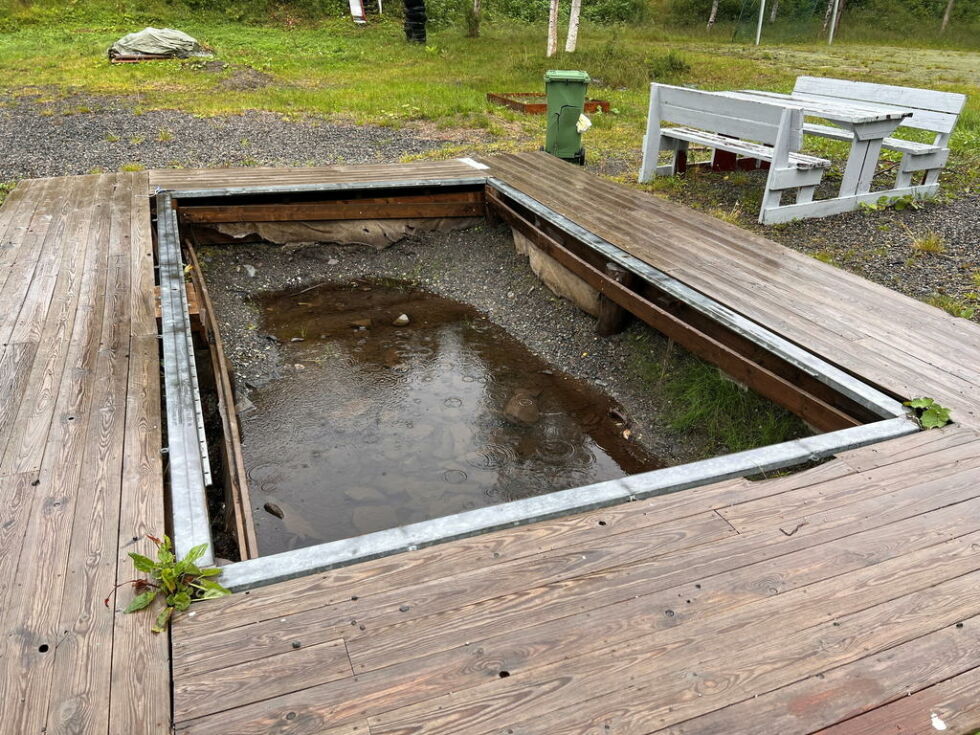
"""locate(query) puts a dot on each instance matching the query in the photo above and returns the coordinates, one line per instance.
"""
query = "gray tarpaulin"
(157, 42)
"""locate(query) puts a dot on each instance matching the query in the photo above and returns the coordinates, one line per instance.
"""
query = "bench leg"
(770, 200)
(932, 176)
(805, 194)
(678, 162)
(860, 168)
(723, 160)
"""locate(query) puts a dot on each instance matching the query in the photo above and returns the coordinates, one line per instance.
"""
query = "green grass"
(700, 399)
(336, 71)
(960, 307)
(5, 188)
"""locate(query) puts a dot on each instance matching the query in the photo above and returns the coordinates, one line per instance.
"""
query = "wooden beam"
(193, 305)
(453, 204)
(811, 409)
(612, 316)
(237, 497)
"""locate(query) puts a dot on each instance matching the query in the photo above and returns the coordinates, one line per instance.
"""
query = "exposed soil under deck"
(307, 328)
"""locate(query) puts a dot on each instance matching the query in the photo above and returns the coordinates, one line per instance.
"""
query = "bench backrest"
(931, 110)
(746, 119)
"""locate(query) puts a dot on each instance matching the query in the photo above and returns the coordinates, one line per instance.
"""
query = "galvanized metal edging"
(299, 562)
(191, 524)
(186, 443)
(327, 187)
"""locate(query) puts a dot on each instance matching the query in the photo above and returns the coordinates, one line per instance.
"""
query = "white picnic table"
(870, 123)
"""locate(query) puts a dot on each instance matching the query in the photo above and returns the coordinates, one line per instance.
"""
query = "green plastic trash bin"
(566, 102)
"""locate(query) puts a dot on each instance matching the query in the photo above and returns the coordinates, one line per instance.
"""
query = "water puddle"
(375, 425)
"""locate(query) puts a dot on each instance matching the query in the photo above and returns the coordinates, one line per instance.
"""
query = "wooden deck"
(842, 599)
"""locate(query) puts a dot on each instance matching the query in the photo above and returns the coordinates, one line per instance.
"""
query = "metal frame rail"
(189, 507)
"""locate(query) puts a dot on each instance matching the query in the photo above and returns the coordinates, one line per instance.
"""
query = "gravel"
(492, 277)
(877, 244)
(82, 134)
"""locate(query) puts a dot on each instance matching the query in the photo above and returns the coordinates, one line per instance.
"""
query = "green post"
(566, 102)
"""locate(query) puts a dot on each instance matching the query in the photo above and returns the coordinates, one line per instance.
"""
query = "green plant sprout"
(928, 413)
(180, 582)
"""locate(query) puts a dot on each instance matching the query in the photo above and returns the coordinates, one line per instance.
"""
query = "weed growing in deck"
(179, 582)
(928, 413)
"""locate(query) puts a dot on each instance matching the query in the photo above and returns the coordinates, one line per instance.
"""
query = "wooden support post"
(612, 316)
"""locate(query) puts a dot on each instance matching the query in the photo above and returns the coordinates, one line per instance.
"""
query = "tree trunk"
(553, 28)
(772, 13)
(714, 13)
(949, 11)
(415, 19)
(473, 20)
(827, 13)
(572, 39)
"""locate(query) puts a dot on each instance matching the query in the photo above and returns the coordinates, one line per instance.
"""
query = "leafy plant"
(901, 203)
(928, 413)
(179, 582)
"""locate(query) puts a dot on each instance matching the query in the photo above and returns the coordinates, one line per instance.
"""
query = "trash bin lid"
(556, 75)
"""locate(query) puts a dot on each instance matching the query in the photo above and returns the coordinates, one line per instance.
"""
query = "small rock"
(274, 509)
(401, 321)
(244, 406)
(299, 366)
(510, 294)
(250, 271)
(404, 608)
(523, 407)
(297, 339)
(296, 644)
(332, 261)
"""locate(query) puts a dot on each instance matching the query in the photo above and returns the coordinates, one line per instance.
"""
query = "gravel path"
(81, 134)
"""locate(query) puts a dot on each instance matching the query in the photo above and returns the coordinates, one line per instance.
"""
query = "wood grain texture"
(811, 599)
(854, 689)
(140, 682)
(954, 701)
(301, 666)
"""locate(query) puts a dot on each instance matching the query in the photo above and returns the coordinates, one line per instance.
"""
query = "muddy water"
(374, 425)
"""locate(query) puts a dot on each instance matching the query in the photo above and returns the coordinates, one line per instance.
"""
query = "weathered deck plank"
(646, 616)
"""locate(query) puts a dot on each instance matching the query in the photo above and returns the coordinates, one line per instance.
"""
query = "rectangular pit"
(852, 413)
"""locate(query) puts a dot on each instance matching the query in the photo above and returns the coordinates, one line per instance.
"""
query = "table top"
(840, 111)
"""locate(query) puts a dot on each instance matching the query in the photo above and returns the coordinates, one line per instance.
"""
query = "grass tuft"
(701, 399)
(952, 305)
(930, 242)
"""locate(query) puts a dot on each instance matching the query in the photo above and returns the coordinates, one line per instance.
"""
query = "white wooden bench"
(754, 130)
(936, 112)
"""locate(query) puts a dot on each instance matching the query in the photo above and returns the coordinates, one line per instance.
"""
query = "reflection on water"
(375, 425)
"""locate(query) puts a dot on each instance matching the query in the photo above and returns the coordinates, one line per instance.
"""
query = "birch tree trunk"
(714, 13)
(827, 13)
(949, 11)
(473, 20)
(772, 13)
(572, 39)
(553, 28)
